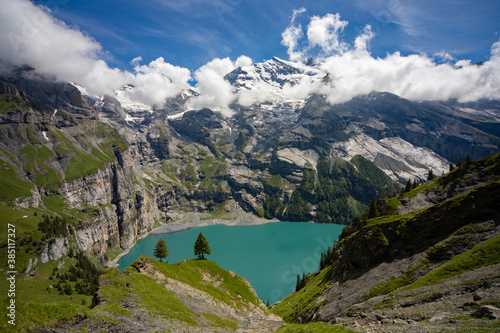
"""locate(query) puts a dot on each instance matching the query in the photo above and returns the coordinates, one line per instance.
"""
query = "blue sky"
(190, 33)
(420, 50)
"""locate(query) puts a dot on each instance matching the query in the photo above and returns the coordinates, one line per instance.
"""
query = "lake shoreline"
(193, 220)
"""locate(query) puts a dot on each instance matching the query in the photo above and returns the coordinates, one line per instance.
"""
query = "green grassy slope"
(163, 294)
(166, 292)
(313, 328)
(304, 300)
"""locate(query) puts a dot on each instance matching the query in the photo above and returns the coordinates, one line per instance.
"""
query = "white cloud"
(136, 61)
(30, 35)
(324, 32)
(157, 81)
(495, 50)
(214, 91)
(445, 56)
(243, 61)
(463, 62)
(292, 35)
(415, 77)
(353, 71)
(361, 42)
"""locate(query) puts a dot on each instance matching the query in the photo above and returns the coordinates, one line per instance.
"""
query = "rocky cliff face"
(73, 165)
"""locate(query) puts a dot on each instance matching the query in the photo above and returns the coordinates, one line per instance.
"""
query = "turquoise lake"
(269, 256)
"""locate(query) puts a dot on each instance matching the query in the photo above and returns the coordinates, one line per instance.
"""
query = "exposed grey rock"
(388, 163)
(55, 251)
(31, 264)
(440, 317)
(487, 311)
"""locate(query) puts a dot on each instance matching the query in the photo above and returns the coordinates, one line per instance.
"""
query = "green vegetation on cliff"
(10, 102)
(191, 293)
(339, 191)
(60, 157)
(185, 294)
(12, 186)
(313, 328)
(482, 255)
(306, 299)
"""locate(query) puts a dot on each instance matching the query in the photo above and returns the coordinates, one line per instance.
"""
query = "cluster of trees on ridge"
(331, 189)
(81, 277)
(201, 247)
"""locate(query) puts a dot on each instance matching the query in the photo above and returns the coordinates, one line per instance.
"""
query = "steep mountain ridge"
(439, 262)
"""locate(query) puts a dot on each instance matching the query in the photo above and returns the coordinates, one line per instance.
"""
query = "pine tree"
(468, 160)
(452, 167)
(326, 258)
(415, 183)
(430, 176)
(408, 186)
(322, 262)
(161, 250)
(301, 282)
(373, 211)
(201, 247)
(305, 278)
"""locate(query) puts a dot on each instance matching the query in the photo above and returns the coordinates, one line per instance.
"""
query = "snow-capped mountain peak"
(274, 72)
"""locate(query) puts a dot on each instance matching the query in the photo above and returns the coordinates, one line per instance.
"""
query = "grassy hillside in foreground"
(313, 328)
(306, 299)
(192, 295)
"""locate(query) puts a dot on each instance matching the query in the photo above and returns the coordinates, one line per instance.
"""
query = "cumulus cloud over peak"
(157, 81)
(325, 33)
(32, 36)
(416, 77)
(292, 35)
(343, 69)
(214, 91)
(353, 71)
